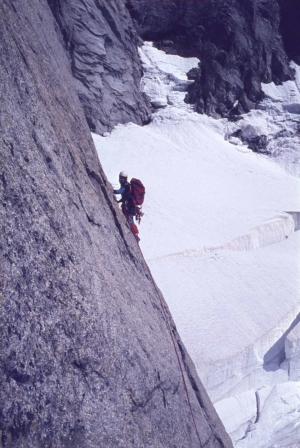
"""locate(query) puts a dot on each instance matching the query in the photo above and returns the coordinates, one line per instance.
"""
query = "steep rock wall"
(238, 42)
(102, 45)
(86, 359)
(289, 26)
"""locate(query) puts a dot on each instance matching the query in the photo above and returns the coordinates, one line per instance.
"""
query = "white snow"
(278, 119)
(292, 352)
(238, 414)
(292, 346)
(221, 247)
(271, 420)
(165, 80)
(288, 93)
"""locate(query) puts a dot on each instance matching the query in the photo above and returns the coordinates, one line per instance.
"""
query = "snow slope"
(220, 245)
(269, 417)
(276, 123)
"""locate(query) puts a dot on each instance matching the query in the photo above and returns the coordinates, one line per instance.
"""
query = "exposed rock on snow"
(274, 128)
(102, 45)
(238, 42)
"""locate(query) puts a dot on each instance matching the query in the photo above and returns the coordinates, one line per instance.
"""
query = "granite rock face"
(102, 45)
(87, 359)
(238, 42)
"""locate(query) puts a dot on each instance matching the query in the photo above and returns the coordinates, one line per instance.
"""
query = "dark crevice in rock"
(3, 180)
(18, 376)
(108, 17)
(23, 57)
(90, 220)
(142, 404)
(10, 144)
(164, 398)
(95, 177)
(13, 7)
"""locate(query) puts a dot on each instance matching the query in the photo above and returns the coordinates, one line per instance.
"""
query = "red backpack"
(137, 191)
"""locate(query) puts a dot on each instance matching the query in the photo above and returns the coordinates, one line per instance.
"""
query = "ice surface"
(219, 243)
(292, 354)
(292, 346)
(231, 307)
(288, 93)
(238, 414)
(278, 119)
(165, 80)
(275, 423)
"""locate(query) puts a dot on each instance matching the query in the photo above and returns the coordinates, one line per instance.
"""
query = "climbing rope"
(181, 369)
(177, 355)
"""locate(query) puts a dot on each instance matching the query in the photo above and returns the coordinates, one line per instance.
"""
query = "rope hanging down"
(181, 369)
(177, 355)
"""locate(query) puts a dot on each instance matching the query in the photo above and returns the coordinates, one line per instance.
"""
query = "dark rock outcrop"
(257, 144)
(238, 42)
(86, 359)
(290, 29)
(102, 45)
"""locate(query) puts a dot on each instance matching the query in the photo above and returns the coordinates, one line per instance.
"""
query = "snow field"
(165, 80)
(222, 249)
(278, 119)
(269, 417)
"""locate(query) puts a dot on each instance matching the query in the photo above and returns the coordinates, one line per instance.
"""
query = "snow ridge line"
(271, 231)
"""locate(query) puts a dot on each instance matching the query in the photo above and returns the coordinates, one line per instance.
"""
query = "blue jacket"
(125, 191)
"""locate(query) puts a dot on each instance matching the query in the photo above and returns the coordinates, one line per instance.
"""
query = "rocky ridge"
(238, 42)
(102, 44)
(87, 356)
(241, 44)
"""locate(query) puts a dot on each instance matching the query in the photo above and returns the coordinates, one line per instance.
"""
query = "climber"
(128, 205)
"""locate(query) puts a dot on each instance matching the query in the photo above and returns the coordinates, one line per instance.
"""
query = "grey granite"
(102, 45)
(87, 359)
